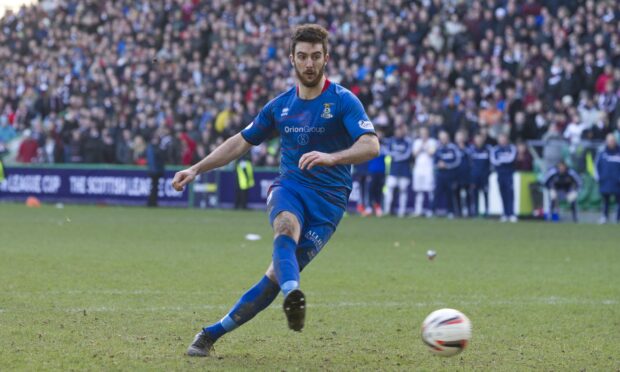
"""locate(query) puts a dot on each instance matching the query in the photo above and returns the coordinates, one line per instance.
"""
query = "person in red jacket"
(603, 78)
(188, 146)
(28, 149)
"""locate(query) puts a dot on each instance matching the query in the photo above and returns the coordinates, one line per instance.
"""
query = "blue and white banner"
(118, 185)
(97, 185)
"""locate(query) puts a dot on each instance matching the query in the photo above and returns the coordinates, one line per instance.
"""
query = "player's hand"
(182, 178)
(441, 164)
(312, 159)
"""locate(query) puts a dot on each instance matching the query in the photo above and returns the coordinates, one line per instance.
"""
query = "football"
(446, 332)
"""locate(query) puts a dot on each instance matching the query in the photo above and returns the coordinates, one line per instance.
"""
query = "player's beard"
(310, 81)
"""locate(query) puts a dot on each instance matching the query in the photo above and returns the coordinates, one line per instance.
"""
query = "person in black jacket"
(563, 183)
(155, 160)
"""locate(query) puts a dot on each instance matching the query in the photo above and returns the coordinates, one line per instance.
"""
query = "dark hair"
(310, 33)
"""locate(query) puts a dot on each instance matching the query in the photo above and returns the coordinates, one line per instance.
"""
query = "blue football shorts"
(317, 216)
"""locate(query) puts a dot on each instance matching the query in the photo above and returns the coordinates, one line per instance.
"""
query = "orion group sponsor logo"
(303, 133)
(305, 129)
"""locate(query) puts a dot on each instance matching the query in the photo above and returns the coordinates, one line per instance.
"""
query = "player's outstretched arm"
(228, 151)
(365, 148)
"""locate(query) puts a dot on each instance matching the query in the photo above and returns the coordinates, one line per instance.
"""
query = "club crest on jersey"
(284, 112)
(327, 112)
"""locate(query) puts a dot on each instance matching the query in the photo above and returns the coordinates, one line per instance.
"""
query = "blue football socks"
(264, 292)
(285, 263)
(251, 303)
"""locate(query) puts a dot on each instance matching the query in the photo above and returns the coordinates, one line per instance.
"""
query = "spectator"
(524, 161)
(608, 174)
(74, 150)
(124, 151)
(47, 153)
(139, 151)
(522, 129)
(490, 115)
(7, 132)
(503, 157)
(562, 183)
(574, 131)
(93, 146)
(481, 66)
(555, 147)
(28, 149)
(108, 147)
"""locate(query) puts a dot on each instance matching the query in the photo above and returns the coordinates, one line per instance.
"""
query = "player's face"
(309, 62)
(611, 141)
(478, 140)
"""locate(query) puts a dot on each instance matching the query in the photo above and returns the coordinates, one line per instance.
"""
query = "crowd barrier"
(89, 184)
(130, 185)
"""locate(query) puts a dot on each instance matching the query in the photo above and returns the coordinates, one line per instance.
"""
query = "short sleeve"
(354, 117)
(261, 128)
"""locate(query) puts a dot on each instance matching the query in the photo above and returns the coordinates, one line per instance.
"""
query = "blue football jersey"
(329, 123)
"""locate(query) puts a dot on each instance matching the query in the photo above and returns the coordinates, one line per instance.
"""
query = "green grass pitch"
(93, 288)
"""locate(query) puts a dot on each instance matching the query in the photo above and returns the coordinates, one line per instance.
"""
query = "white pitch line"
(552, 301)
(96, 292)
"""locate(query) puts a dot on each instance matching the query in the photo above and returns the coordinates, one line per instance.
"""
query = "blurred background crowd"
(95, 81)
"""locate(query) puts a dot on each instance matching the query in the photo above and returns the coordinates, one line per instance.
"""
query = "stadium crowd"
(96, 81)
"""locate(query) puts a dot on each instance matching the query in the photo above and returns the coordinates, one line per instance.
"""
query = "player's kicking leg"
(283, 270)
(287, 230)
(251, 303)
